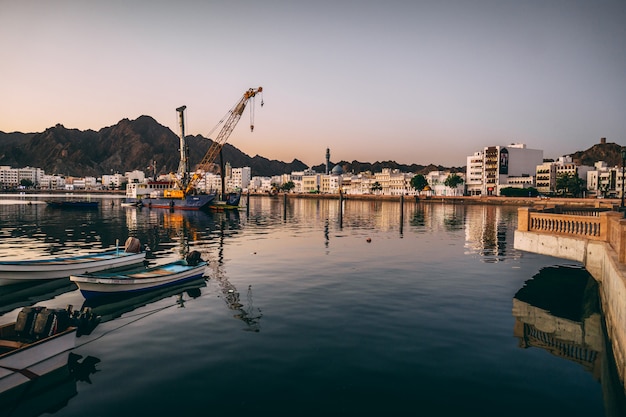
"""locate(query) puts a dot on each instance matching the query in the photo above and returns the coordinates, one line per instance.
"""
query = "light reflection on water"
(313, 309)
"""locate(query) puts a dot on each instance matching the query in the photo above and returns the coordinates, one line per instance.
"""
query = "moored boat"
(152, 194)
(38, 342)
(12, 272)
(136, 280)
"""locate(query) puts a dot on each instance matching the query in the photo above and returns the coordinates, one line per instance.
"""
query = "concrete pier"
(595, 238)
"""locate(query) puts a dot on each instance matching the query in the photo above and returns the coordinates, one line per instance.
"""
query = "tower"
(327, 160)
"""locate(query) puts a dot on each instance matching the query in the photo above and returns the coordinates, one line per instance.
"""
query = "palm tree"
(376, 187)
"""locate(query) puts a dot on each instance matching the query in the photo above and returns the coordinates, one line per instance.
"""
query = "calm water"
(310, 310)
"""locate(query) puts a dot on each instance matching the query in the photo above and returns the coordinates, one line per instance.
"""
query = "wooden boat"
(111, 307)
(230, 203)
(139, 279)
(12, 272)
(38, 342)
(79, 204)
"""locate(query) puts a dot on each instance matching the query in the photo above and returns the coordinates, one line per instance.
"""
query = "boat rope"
(139, 317)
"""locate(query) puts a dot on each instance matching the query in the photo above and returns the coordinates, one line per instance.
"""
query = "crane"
(233, 118)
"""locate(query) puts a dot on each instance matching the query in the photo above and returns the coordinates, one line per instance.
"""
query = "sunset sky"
(411, 81)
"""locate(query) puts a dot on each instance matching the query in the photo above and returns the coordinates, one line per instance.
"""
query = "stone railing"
(607, 226)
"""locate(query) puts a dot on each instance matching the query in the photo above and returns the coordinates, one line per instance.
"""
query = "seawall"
(601, 257)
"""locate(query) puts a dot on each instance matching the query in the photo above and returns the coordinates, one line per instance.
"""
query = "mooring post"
(401, 212)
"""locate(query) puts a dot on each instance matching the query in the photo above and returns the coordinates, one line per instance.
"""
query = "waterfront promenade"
(596, 237)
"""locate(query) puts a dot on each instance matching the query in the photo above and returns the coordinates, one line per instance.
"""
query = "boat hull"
(191, 202)
(12, 272)
(23, 365)
(135, 281)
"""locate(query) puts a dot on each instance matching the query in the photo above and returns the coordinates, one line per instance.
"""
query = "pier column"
(523, 218)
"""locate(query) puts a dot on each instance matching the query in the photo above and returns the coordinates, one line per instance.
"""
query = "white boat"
(37, 343)
(12, 272)
(139, 279)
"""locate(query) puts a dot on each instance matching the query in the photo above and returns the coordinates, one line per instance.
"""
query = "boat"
(181, 191)
(100, 284)
(131, 204)
(50, 392)
(230, 203)
(158, 194)
(12, 272)
(73, 204)
(114, 306)
(37, 343)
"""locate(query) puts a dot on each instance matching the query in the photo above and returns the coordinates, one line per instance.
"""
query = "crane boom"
(222, 137)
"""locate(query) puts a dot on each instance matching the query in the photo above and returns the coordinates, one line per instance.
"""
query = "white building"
(437, 183)
(498, 163)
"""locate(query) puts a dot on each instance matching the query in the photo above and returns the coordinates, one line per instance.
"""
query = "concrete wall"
(601, 261)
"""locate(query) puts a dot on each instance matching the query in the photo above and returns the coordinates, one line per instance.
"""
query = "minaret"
(327, 160)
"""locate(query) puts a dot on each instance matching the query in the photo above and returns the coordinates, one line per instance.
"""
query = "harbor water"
(314, 307)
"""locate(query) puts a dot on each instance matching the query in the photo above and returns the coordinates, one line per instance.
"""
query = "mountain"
(129, 145)
(611, 153)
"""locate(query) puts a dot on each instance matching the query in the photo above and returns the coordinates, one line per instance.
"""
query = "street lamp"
(623, 163)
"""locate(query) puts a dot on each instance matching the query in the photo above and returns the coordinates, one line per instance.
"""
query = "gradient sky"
(411, 81)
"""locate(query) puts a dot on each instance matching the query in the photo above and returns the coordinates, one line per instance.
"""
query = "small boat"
(79, 204)
(38, 342)
(230, 203)
(131, 204)
(114, 306)
(111, 283)
(12, 272)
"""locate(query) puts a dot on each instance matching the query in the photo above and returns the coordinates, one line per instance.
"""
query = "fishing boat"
(73, 204)
(12, 272)
(114, 306)
(38, 342)
(99, 284)
(230, 203)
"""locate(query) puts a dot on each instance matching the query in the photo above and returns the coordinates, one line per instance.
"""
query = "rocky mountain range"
(134, 145)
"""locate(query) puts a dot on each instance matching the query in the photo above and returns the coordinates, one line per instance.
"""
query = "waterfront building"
(113, 181)
(135, 176)
(497, 164)
(12, 177)
(357, 184)
(52, 182)
(474, 174)
(311, 181)
(548, 172)
(437, 184)
(240, 178)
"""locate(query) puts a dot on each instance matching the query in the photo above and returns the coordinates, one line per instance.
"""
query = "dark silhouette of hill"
(611, 153)
(134, 144)
(129, 145)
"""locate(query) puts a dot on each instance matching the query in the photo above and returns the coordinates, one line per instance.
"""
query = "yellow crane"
(234, 115)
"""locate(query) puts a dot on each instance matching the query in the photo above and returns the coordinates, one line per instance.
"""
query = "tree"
(376, 187)
(453, 181)
(288, 186)
(26, 183)
(570, 184)
(418, 182)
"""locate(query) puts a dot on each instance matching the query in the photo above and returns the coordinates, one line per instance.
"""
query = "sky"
(410, 81)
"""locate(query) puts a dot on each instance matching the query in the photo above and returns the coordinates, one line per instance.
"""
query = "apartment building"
(495, 164)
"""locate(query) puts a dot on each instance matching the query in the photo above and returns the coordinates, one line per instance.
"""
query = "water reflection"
(50, 392)
(247, 313)
(29, 293)
(112, 307)
(558, 310)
